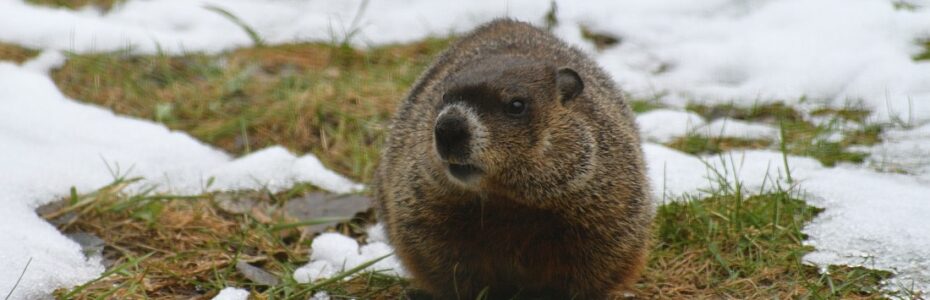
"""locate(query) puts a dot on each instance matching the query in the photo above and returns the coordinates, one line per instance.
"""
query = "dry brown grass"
(170, 247)
(16, 53)
(696, 144)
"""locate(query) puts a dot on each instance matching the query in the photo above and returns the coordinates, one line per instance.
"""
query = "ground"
(333, 99)
(727, 244)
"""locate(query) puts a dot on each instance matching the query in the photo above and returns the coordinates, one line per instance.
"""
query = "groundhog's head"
(509, 125)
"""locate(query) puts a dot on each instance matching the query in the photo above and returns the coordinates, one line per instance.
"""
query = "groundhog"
(514, 169)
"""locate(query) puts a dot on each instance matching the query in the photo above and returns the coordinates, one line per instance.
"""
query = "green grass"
(600, 40)
(925, 55)
(17, 54)
(104, 5)
(904, 5)
(643, 105)
(803, 136)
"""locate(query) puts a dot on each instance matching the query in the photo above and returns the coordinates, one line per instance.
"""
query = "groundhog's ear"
(569, 84)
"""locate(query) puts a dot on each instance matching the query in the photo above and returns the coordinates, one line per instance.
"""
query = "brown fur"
(563, 209)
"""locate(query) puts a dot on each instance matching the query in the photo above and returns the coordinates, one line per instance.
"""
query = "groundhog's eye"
(516, 108)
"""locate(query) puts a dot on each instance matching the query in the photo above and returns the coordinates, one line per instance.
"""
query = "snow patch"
(231, 293)
(738, 129)
(903, 151)
(46, 61)
(51, 143)
(664, 125)
(332, 253)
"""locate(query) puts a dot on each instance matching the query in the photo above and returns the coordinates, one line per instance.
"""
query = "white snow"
(829, 52)
(320, 296)
(333, 253)
(663, 125)
(906, 151)
(232, 293)
(748, 51)
(738, 129)
(51, 143)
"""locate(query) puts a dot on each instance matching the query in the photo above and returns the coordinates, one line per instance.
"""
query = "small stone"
(319, 205)
(256, 274)
(236, 202)
(91, 245)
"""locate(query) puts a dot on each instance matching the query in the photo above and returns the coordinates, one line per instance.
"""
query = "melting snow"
(663, 125)
(231, 293)
(904, 151)
(333, 253)
(738, 129)
(51, 143)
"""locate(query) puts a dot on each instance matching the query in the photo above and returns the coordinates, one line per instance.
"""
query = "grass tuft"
(642, 105)
(600, 40)
(256, 39)
(698, 144)
(772, 112)
(104, 5)
(925, 55)
(17, 54)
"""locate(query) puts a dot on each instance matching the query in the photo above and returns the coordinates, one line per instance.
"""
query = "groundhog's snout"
(453, 138)
(455, 133)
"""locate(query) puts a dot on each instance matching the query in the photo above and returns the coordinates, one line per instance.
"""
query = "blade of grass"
(344, 274)
(120, 268)
(256, 39)
(10, 294)
(317, 221)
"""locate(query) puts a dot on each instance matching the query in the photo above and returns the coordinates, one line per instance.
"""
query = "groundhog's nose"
(452, 137)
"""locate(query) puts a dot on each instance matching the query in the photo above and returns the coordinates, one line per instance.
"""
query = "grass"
(104, 5)
(925, 55)
(803, 136)
(643, 105)
(698, 144)
(724, 244)
(329, 100)
(600, 40)
(16, 53)
(164, 246)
